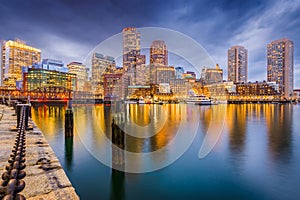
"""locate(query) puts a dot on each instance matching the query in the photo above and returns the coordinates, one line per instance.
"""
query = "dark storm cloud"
(69, 29)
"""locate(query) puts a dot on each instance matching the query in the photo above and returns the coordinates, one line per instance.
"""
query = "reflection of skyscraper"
(158, 53)
(237, 64)
(237, 123)
(15, 55)
(281, 65)
(279, 121)
(131, 47)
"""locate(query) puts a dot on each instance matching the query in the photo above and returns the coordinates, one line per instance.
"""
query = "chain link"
(12, 182)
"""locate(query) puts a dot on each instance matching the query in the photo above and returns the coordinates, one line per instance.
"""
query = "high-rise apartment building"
(158, 53)
(280, 65)
(131, 47)
(81, 72)
(15, 55)
(237, 64)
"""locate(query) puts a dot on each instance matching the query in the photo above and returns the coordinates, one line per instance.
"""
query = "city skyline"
(251, 24)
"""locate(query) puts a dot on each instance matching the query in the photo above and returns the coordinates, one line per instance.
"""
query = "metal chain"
(12, 182)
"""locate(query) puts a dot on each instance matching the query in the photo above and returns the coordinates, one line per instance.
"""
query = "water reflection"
(236, 123)
(279, 124)
(69, 152)
(118, 161)
(117, 185)
(259, 143)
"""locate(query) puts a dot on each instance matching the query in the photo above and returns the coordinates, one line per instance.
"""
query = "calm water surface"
(256, 157)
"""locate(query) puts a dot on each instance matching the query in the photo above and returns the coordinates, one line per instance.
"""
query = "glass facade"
(178, 72)
(55, 65)
(45, 80)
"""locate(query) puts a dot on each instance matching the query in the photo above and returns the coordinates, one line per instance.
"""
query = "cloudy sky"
(69, 29)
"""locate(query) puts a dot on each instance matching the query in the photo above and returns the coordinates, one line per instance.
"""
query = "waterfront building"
(100, 64)
(190, 76)
(212, 75)
(54, 65)
(280, 65)
(115, 86)
(178, 72)
(15, 55)
(158, 53)
(81, 72)
(131, 47)
(220, 90)
(164, 88)
(40, 80)
(161, 74)
(238, 64)
(256, 91)
(137, 91)
(179, 88)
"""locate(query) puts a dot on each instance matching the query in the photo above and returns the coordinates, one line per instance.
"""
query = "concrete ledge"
(45, 177)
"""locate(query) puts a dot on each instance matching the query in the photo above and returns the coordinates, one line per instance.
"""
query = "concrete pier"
(45, 178)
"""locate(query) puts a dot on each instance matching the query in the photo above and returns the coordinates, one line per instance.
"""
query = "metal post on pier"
(69, 123)
(118, 145)
(8, 100)
(26, 108)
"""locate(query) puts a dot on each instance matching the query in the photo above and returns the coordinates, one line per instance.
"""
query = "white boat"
(199, 100)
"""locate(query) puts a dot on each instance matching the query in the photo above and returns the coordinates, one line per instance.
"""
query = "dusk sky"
(69, 29)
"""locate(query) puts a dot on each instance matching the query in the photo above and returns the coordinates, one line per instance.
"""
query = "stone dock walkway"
(45, 178)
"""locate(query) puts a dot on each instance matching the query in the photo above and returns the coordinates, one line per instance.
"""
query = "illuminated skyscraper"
(237, 64)
(141, 76)
(15, 55)
(100, 64)
(131, 47)
(158, 53)
(280, 63)
(81, 72)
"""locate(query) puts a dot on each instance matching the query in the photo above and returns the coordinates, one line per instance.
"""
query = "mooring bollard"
(69, 120)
